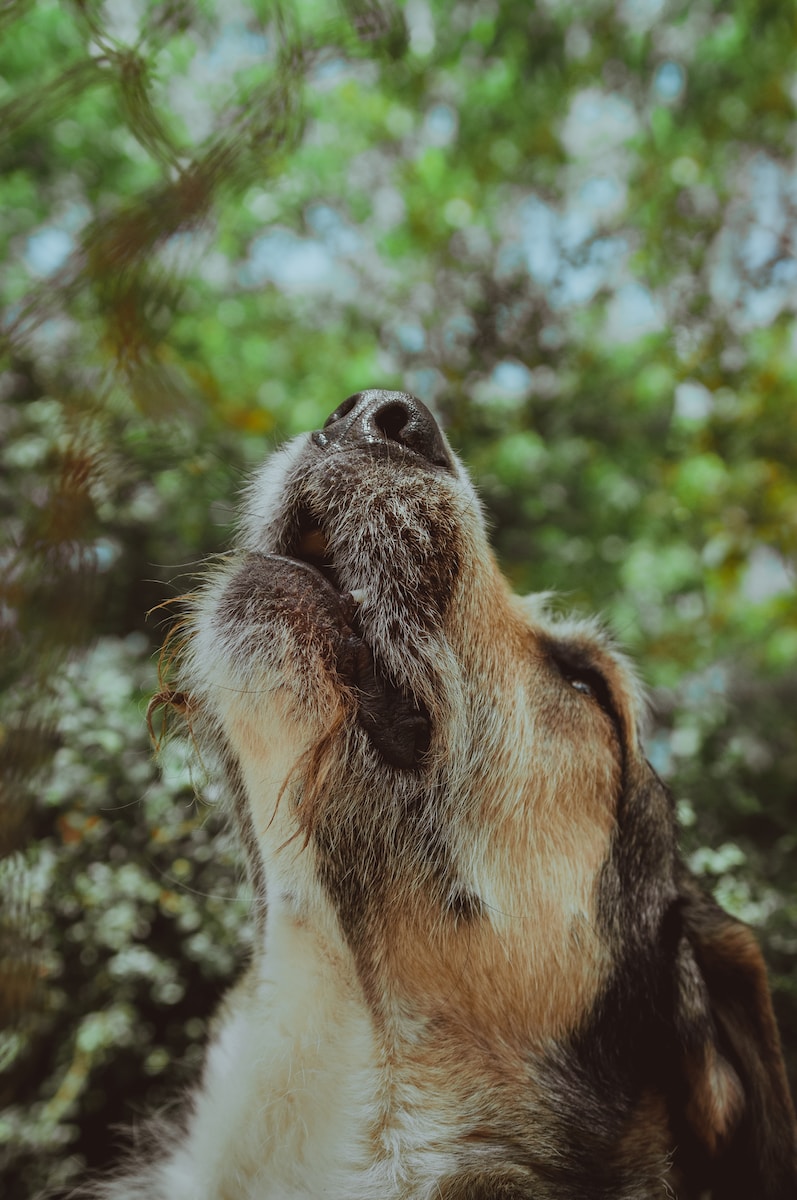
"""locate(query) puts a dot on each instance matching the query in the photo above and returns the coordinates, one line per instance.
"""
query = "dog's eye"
(578, 684)
(592, 685)
(584, 678)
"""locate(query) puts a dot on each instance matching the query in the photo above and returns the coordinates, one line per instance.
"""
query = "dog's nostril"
(342, 410)
(392, 420)
(407, 422)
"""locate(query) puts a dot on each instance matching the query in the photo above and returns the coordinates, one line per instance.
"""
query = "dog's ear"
(736, 1123)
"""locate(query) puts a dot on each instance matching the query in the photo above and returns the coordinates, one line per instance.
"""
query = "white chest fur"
(291, 1085)
(297, 1101)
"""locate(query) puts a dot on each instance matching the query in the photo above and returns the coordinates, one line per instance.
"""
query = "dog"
(483, 971)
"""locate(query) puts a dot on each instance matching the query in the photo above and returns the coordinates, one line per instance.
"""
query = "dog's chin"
(397, 725)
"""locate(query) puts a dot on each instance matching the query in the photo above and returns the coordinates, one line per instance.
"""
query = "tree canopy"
(567, 225)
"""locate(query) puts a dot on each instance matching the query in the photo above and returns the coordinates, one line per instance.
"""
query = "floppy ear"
(737, 1123)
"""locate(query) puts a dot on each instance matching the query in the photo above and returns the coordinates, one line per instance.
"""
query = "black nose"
(376, 419)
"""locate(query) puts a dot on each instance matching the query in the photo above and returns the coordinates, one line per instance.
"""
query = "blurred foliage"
(569, 225)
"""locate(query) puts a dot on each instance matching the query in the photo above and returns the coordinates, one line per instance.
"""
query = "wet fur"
(484, 974)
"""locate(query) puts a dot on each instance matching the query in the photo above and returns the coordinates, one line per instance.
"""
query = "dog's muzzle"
(397, 429)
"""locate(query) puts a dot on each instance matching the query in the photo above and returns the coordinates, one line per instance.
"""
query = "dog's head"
(450, 781)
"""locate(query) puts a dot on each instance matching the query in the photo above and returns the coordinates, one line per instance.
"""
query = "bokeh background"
(568, 225)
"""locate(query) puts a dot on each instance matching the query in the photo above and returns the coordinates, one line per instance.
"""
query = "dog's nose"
(378, 418)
